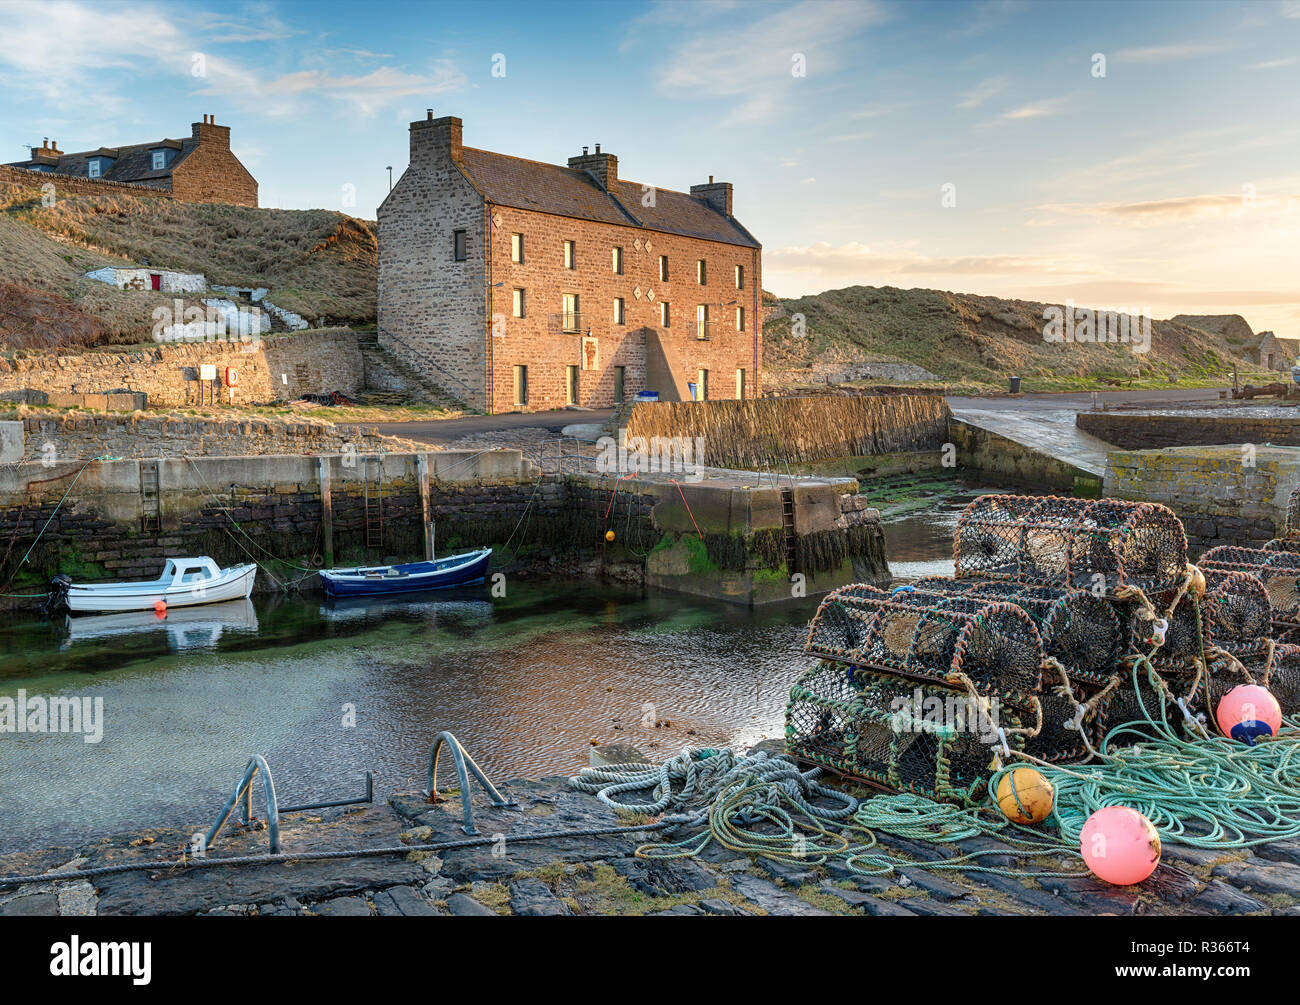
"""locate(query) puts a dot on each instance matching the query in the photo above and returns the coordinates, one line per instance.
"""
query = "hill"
(316, 263)
(973, 340)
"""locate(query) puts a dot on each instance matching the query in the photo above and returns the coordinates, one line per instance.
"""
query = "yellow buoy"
(609, 535)
(1025, 796)
(1197, 586)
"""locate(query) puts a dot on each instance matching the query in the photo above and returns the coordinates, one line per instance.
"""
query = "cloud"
(1167, 53)
(1036, 110)
(983, 91)
(753, 65)
(1273, 64)
(1180, 208)
(856, 261)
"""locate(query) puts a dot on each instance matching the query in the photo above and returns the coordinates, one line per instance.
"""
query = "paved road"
(450, 430)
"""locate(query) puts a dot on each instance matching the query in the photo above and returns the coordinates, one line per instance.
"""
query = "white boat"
(185, 582)
(185, 628)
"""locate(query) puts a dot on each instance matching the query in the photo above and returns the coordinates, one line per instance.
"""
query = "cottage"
(199, 168)
(519, 285)
(162, 280)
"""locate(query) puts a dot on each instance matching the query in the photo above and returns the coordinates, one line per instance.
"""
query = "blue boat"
(456, 570)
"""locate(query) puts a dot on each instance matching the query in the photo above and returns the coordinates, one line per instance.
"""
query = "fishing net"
(1079, 630)
(1238, 617)
(1293, 513)
(1099, 545)
(992, 643)
(1282, 678)
(893, 733)
(1278, 571)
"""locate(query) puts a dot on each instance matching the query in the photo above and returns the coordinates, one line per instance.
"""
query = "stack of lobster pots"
(1047, 637)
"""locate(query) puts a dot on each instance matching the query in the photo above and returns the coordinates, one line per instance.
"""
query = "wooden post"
(326, 511)
(422, 465)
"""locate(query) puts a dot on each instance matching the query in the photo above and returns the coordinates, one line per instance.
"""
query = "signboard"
(207, 371)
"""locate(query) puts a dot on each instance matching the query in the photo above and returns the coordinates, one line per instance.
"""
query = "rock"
(772, 898)
(342, 907)
(865, 902)
(663, 877)
(531, 897)
(716, 905)
(787, 874)
(402, 901)
(679, 911)
(462, 906)
(1220, 898)
(936, 886)
(1259, 876)
(923, 905)
(31, 905)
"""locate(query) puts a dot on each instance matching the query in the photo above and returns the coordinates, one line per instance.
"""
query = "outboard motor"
(57, 601)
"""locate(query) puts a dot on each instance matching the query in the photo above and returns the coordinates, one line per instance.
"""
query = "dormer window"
(159, 159)
(93, 168)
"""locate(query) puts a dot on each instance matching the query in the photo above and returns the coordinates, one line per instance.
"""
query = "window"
(571, 386)
(619, 316)
(740, 319)
(702, 325)
(702, 386)
(519, 304)
(740, 277)
(159, 159)
(521, 385)
(570, 255)
(665, 314)
(570, 319)
(458, 241)
(702, 272)
(619, 374)
(740, 385)
(93, 169)
(663, 268)
(618, 261)
(517, 248)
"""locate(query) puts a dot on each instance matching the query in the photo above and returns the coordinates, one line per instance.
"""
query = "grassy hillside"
(977, 341)
(317, 263)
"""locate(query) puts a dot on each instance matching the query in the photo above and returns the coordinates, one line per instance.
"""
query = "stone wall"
(71, 184)
(67, 436)
(1144, 432)
(1220, 499)
(272, 369)
(1001, 458)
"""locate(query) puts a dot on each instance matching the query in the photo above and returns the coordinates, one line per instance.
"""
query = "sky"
(1131, 155)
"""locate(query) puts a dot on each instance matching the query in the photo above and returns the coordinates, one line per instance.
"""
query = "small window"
(517, 248)
(665, 314)
(618, 261)
(570, 255)
(571, 318)
(702, 325)
(518, 303)
(619, 316)
(702, 386)
(93, 169)
(740, 385)
(702, 272)
(159, 159)
(571, 386)
(521, 385)
(663, 268)
(740, 319)
(740, 277)
(459, 245)
(620, 374)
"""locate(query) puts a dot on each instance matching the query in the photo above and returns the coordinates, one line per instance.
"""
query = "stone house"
(162, 280)
(1275, 353)
(520, 285)
(199, 168)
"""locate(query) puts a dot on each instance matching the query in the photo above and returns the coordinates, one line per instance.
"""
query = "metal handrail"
(424, 358)
(461, 757)
(568, 323)
(245, 790)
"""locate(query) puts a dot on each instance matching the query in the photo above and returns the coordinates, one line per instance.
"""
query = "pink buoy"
(1248, 711)
(160, 608)
(1120, 845)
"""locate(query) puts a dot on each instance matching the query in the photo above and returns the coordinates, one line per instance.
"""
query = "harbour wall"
(1147, 432)
(118, 520)
(991, 454)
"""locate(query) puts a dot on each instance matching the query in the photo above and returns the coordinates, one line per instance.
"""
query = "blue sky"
(1170, 183)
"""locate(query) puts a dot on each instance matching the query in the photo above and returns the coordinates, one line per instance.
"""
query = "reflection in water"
(920, 544)
(526, 682)
(185, 627)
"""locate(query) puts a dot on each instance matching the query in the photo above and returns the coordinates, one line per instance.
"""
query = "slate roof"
(564, 191)
(132, 164)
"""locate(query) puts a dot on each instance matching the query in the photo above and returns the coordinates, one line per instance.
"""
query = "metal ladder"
(150, 506)
(787, 523)
(375, 507)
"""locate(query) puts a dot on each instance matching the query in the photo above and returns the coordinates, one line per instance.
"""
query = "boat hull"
(416, 577)
(235, 584)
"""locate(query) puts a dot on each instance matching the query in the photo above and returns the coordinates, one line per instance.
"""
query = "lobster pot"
(1293, 513)
(1183, 637)
(1291, 544)
(1236, 610)
(894, 733)
(1078, 629)
(1278, 571)
(1283, 678)
(1058, 742)
(926, 637)
(1099, 545)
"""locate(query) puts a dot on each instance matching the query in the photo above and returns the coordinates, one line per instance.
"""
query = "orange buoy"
(609, 535)
(1025, 796)
(160, 608)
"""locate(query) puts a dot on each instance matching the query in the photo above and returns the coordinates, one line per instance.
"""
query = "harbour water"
(326, 691)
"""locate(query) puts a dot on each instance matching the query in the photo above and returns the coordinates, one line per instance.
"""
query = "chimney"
(47, 152)
(434, 140)
(602, 167)
(208, 132)
(716, 194)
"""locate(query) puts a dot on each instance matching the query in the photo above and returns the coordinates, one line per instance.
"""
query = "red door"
(155, 280)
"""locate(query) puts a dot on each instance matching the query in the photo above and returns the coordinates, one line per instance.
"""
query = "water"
(326, 691)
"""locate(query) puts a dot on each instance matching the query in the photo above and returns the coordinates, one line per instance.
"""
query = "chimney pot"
(597, 148)
(428, 114)
(584, 151)
(710, 179)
